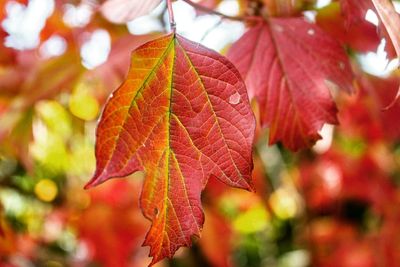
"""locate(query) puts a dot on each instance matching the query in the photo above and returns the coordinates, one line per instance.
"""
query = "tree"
(188, 116)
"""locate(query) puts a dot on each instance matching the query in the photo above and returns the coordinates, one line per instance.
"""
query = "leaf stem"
(171, 16)
(212, 11)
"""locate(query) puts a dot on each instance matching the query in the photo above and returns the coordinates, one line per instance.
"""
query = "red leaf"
(286, 64)
(381, 92)
(182, 115)
(121, 11)
(390, 20)
(360, 36)
(215, 248)
(355, 11)
(112, 225)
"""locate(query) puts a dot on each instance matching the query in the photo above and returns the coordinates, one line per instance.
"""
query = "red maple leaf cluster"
(187, 115)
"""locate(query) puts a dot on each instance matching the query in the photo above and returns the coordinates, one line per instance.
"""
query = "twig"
(171, 16)
(219, 22)
(212, 11)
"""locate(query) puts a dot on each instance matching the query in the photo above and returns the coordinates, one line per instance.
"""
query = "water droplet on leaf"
(278, 28)
(46, 190)
(234, 99)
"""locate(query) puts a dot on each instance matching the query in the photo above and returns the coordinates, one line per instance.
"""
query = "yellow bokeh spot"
(251, 221)
(55, 117)
(83, 105)
(284, 204)
(46, 190)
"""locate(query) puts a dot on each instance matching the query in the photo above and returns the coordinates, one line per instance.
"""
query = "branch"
(211, 29)
(212, 11)
(171, 16)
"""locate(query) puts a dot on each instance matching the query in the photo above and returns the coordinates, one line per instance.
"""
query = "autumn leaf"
(286, 63)
(182, 115)
(361, 37)
(381, 93)
(112, 225)
(121, 11)
(355, 10)
(216, 249)
(389, 20)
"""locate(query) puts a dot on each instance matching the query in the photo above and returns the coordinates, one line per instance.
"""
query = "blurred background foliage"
(335, 205)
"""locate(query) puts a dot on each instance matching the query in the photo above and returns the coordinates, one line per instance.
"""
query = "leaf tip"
(89, 184)
(251, 188)
(93, 182)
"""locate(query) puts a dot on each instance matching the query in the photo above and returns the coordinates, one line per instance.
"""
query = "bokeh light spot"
(46, 190)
